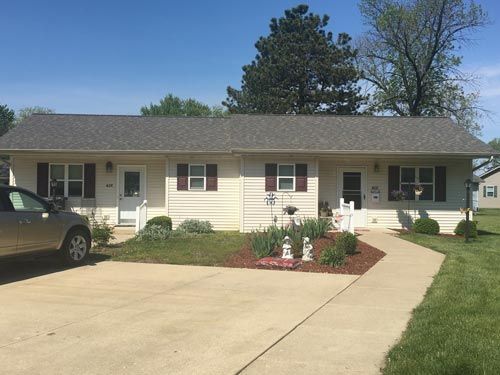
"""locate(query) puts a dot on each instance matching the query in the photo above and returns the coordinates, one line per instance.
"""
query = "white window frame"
(488, 187)
(292, 177)
(417, 180)
(204, 177)
(67, 180)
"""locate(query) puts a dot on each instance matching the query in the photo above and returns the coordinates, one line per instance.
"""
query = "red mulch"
(357, 264)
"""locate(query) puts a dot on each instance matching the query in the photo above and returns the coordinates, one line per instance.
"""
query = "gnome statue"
(307, 250)
(287, 248)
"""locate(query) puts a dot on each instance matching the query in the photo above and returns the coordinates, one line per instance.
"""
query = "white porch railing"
(141, 214)
(347, 214)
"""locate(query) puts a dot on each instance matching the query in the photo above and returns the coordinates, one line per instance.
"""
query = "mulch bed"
(357, 264)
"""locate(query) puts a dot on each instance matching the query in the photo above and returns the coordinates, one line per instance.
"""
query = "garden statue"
(307, 250)
(287, 248)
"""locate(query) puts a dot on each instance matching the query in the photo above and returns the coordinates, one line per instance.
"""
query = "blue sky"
(115, 56)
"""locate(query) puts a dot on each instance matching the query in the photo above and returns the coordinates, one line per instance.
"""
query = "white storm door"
(131, 192)
(352, 187)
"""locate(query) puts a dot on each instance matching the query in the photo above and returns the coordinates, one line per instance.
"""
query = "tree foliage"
(299, 68)
(410, 55)
(172, 105)
(26, 112)
(7, 117)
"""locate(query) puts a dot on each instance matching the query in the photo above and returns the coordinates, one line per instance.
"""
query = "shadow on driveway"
(13, 270)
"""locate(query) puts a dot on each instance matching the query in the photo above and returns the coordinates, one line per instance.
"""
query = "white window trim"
(417, 180)
(204, 177)
(292, 177)
(67, 180)
(492, 187)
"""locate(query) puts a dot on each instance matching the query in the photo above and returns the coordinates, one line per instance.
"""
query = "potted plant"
(419, 189)
(324, 209)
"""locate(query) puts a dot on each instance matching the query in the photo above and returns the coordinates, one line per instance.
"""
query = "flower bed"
(364, 258)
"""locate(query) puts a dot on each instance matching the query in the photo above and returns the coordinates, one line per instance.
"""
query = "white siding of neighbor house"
(24, 173)
(220, 207)
(490, 202)
(256, 214)
(392, 214)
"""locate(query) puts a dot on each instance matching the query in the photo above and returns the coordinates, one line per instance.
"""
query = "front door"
(131, 192)
(352, 187)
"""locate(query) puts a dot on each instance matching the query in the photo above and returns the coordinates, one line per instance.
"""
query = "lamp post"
(467, 184)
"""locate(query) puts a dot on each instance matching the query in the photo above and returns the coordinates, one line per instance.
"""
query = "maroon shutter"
(300, 177)
(182, 176)
(271, 177)
(42, 179)
(393, 181)
(89, 180)
(440, 184)
(212, 177)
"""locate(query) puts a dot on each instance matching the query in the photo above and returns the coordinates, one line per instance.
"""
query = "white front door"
(131, 192)
(352, 187)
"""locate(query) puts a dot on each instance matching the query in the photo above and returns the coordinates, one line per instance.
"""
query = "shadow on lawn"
(13, 270)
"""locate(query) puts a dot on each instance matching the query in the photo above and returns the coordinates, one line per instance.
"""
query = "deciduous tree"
(172, 105)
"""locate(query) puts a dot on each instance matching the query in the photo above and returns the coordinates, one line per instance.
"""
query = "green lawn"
(456, 329)
(202, 250)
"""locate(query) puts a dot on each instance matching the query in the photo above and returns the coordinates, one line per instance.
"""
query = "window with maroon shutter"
(393, 181)
(212, 177)
(42, 179)
(271, 177)
(182, 176)
(89, 180)
(440, 177)
(300, 177)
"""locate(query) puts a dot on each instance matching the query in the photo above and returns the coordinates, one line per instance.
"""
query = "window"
(69, 179)
(197, 176)
(24, 202)
(424, 176)
(286, 177)
(490, 191)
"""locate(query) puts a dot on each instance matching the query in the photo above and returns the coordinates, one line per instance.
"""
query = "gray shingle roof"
(243, 133)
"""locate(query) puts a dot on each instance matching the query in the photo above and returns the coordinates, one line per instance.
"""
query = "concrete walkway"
(352, 333)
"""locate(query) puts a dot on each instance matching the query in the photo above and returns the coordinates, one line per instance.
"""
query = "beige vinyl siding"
(393, 214)
(105, 204)
(257, 215)
(220, 207)
(490, 202)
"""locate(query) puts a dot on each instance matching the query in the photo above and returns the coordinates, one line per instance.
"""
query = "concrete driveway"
(127, 318)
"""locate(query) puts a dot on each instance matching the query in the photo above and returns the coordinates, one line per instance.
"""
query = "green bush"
(315, 228)
(153, 232)
(426, 226)
(102, 233)
(163, 221)
(346, 242)
(460, 229)
(195, 226)
(263, 243)
(333, 256)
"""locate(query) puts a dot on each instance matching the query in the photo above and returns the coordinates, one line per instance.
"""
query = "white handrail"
(141, 214)
(347, 214)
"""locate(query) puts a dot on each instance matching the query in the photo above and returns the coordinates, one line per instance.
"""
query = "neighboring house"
(476, 181)
(220, 169)
(488, 190)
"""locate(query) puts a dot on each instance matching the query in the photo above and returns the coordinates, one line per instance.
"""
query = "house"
(476, 181)
(220, 169)
(488, 190)
(4, 172)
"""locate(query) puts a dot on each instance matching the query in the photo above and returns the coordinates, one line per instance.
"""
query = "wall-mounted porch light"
(109, 167)
(376, 167)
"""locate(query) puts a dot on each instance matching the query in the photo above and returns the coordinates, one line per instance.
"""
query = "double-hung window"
(286, 177)
(197, 177)
(69, 179)
(490, 191)
(412, 176)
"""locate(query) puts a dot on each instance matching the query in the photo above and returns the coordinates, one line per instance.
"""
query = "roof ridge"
(134, 116)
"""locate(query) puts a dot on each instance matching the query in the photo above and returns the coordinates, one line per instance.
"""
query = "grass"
(456, 329)
(201, 250)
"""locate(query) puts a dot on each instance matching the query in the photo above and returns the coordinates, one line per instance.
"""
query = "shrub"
(460, 229)
(426, 226)
(333, 256)
(263, 243)
(195, 226)
(346, 242)
(102, 233)
(153, 232)
(315, 228)
(163, 221)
